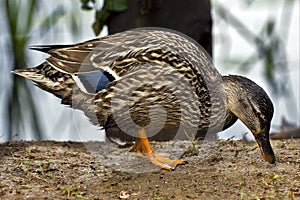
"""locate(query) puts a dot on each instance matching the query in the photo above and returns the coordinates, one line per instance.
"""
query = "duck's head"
(250, 103)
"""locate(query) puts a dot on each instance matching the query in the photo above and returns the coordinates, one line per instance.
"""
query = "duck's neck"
(232, 91)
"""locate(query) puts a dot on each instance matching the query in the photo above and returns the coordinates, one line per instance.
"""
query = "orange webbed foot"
(143, 147)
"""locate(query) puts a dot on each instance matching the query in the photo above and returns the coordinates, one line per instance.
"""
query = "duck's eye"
(256, 111)
(260, 115)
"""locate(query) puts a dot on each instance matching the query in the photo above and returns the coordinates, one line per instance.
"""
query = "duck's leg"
(143, 147)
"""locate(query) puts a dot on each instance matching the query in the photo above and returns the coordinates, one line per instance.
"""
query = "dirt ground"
(95, 170)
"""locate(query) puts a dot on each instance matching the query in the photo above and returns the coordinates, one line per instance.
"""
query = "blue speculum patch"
(95, 81)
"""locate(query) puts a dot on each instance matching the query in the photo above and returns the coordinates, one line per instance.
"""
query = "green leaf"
(97, 27)
(52, 19)
(101, 17)
(87, 4)
(116, 5)
(273, 178)
(270, 27)
(30, 17)
(20, 24)
(79, 196)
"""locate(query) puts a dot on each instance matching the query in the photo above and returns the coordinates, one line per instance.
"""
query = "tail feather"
(51, 80)
(63, 86)
(47, 48)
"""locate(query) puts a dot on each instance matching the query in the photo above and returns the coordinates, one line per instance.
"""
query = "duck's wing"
(90, 55)
(70, 59)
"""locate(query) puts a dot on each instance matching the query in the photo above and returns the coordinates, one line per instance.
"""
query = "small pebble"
(124, 195)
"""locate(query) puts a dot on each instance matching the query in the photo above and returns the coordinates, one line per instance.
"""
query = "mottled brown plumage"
(152, 79)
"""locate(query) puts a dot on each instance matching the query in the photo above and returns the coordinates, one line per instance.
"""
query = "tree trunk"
(191, 17)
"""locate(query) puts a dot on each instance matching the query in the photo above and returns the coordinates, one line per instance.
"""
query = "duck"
(152, 84)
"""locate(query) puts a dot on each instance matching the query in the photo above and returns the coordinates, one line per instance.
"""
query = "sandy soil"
(95, 170)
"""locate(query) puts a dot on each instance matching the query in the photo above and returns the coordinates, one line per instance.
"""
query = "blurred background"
(258, 39)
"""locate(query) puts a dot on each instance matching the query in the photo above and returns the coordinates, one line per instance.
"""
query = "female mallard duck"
(156, 81)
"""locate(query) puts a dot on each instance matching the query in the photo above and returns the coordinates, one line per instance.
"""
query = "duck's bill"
(265, 147)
